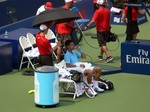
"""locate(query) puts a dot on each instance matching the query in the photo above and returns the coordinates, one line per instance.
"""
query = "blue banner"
(86, 8)
(135, 57)
(116, 19)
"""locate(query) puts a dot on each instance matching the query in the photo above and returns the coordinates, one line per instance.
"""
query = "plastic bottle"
(6, 34)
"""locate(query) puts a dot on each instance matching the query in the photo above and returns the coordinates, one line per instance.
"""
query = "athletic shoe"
(108, 59)
(95, 93)
(99, 89)
(92, 92)
(100, 58)
(80, 93)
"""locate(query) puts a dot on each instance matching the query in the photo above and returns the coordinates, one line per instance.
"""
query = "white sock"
(95, 83)
(90, 85)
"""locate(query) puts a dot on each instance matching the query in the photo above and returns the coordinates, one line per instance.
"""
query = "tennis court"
(131, 93)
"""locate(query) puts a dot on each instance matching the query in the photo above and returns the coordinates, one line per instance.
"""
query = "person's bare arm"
(83, 55)
(72, 66)
(124, 16)
(71, 26)
(54, 48)
(89, 24)
(141, 11)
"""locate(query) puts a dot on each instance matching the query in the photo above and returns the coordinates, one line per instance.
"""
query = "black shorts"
(46, 60)
(102, 38)
(135, 28)
(63, 38)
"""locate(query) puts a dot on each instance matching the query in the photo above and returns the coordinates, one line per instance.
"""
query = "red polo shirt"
(43, 44)
(62, 28)
(102, 19)
(134, 13)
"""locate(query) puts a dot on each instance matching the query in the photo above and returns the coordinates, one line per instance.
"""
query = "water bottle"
(6, 34)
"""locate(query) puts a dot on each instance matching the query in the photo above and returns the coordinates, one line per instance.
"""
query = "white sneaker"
(95, 93)
(80, 93)
(100, 90)
(92, 92)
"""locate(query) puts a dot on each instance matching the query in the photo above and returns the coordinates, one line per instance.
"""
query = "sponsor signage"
(135, 57)
(116, 19)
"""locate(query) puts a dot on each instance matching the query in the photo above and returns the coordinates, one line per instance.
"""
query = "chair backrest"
(24, 43)
(61, 65)
(76, 10)
(50, 35)
(31, 39)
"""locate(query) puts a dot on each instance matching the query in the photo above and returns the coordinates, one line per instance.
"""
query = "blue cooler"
(46, 86)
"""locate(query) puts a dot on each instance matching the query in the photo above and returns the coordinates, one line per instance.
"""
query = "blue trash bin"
(46, 86)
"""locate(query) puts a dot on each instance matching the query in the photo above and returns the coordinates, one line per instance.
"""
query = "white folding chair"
(50, 35)
(53, 40)
(80, 22)
(32, 41)
(66, 84)
(28, 52)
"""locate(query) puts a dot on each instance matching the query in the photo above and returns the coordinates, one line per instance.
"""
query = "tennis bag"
(105, 84)
(112, 37)
(76, 76)
(28, 72)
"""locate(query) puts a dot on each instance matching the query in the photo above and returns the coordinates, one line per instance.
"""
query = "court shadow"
(66, 100)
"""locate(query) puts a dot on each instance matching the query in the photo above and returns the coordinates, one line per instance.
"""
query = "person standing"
(102, 19)
(64, 30)
(48, 5)
(134, 24)
(44, 46)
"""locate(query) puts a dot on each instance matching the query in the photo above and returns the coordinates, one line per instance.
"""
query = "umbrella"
(58, 15)
(3, 0)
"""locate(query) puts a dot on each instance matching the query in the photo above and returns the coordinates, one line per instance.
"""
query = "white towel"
(116, 10)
